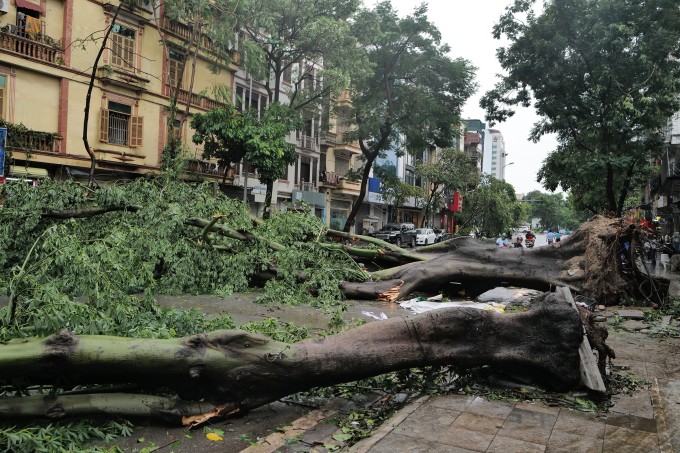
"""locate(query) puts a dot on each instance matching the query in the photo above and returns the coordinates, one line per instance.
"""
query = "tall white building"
(494, 161)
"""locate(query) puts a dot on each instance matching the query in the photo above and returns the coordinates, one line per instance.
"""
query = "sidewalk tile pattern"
(646, 421)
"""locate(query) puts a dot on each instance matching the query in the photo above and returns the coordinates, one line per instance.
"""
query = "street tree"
(303, 52)
(414, 93)
(231, 136)
(491, 206)
(450, 171)
(603, 76)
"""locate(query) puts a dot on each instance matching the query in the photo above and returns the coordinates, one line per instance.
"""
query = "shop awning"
(27, 172)
(30, 6)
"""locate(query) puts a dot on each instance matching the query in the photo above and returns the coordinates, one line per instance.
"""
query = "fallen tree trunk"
(602, 260)
(236, 370)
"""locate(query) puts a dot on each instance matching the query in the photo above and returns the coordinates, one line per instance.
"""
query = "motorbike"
(529, 243)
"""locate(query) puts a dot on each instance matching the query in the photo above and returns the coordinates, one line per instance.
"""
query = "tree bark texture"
(601, 260)
(239, 370)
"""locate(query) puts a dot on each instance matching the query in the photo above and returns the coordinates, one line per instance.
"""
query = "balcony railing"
(204, 167)
(307, 142)
(307, 186)
(197, 100)
(31, 141)
(184, 31)
(40, 48)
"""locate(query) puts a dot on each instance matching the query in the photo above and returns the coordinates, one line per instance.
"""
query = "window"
(3, 95)
(123, 47)
(288, 74)
(175, 70)
(119, 127)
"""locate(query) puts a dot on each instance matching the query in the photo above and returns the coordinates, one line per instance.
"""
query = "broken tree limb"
(598, 260)
(87, 212)
(242, 370)
(389, 248)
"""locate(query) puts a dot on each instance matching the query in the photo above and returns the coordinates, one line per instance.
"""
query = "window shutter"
(136, 131)
(2, 102)
(104, 126)
(117, 50)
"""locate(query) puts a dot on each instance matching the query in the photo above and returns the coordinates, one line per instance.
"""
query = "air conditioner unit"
(4, 6)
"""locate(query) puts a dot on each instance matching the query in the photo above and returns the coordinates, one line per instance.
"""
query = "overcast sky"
(466, 27)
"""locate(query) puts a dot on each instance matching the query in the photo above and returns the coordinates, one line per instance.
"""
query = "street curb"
(387, 427)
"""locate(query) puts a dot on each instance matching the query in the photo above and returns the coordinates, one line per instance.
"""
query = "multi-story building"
(46, 58)
(494, 154)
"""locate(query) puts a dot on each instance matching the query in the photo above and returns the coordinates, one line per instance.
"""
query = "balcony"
(328, 178)
(308, 142)
(184, 32)
(29, 141)
(204, 168)
(40, 48)
(183, 96)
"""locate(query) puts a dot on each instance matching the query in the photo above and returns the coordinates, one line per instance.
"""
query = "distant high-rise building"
(494, 154)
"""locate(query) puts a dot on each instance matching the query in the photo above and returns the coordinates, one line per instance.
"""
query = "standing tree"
(304, 53)
(415, 89)
(231, 136)
(452, 171)
(603, 76)
(491, 206)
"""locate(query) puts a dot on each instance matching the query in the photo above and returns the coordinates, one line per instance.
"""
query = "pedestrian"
(501, 240)
(518, 242)
(558, 236)
(506, 241)
(551, 237)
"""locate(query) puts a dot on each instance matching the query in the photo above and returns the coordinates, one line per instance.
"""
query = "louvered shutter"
(104, 126)
(136, 131)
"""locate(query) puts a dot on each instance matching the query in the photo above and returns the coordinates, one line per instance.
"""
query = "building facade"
(47, 51)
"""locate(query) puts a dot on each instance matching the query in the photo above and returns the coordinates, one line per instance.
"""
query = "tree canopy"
(603, 76)
(491, 207)
(414, 92)
(231, 136)
(450, 171)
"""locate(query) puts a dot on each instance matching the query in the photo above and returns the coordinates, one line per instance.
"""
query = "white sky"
(466, 27)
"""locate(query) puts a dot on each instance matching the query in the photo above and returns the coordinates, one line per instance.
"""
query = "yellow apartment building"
(47, 52)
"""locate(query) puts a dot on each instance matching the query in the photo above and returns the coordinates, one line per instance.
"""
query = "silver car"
(425, 236)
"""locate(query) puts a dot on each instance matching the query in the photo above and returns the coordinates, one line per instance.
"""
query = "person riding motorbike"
(530, 239)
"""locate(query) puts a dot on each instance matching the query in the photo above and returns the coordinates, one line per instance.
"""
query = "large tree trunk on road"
(240, 371)
(602, 260)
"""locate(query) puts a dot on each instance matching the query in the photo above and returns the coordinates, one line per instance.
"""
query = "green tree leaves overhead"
(603, 76)
(415, 89)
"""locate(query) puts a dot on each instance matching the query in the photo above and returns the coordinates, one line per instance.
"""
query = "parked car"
(441, 235)
(425, 236)
(398, 233)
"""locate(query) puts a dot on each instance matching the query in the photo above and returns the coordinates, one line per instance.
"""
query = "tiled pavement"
(646, 421)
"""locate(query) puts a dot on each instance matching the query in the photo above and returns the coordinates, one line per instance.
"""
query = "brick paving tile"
(532, 418)
(537, 407)
(443, 448)
(421, 430)
(455, 402)
(616, 437)
(581, 424)
(437, 415)
(463, 438)
(494, 409)
(639, 405)
(479, 423)
(632, 422)
(569, 443)
(505, 445)
(396, 443)
(521, 431)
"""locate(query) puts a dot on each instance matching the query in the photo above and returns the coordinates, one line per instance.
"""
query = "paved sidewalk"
(647, 421)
